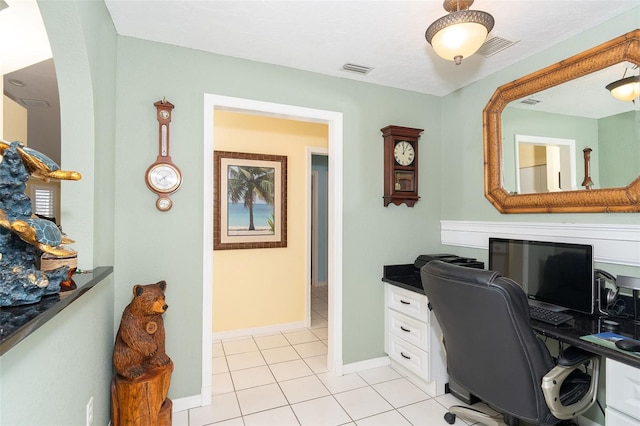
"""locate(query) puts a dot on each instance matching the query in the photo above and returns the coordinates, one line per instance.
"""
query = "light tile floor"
(282, 379)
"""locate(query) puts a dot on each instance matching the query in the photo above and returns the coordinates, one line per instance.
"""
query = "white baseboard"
(183, 404)
(615, 244)
(367, 364)
(269, 329)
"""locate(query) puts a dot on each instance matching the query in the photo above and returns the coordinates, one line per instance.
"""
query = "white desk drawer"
(408, 303)
(615, 418)
(409, 357)
(409, 329)
(623, 388)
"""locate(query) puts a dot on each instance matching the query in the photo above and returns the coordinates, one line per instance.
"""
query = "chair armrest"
(553, 380)
(574, 356)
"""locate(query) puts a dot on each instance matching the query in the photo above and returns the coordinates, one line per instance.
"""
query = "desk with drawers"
(412, 341)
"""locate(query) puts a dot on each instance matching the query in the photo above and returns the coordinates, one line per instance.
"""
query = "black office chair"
(493, 352)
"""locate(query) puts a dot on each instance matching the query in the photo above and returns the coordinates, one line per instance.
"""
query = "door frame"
(334, 121)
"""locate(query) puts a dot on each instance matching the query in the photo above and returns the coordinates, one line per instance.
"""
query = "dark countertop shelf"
(18, 322)
(404, 276)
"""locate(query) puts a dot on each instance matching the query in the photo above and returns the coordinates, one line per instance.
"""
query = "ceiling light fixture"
(16, 82)
(626, 89)
(460, 33)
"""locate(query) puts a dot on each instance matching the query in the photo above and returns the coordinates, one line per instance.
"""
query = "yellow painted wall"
(532, 155)
(264, 287)
(15, 121)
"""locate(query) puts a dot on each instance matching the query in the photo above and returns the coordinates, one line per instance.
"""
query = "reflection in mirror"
(584, 111)
(30, 109)
(544, 164)
(567, 101)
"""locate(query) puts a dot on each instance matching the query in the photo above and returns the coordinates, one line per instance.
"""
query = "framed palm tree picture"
(250, 201)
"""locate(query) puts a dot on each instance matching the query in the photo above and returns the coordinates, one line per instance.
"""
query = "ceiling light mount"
(456, 5)
(459, 34)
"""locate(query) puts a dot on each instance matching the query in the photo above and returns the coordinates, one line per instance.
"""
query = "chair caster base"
(450, 418)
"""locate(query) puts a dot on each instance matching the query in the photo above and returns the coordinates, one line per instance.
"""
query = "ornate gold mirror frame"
(624, 199)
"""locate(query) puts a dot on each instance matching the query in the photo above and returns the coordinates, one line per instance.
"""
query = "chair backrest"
(491, 349)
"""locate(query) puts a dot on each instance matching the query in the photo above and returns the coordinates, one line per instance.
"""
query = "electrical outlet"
(90, 412)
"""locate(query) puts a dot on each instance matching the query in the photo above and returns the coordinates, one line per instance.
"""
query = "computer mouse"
(628, 345)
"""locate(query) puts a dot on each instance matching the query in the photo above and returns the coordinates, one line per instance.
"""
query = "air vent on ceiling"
(35, 103)
(359, 69)
(494, 45)
(530, 101)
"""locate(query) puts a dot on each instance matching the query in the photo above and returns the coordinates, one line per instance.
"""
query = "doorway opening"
(333, 120)
(319, 210)
(318, 239)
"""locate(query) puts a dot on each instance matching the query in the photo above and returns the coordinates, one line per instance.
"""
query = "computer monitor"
(559, 274)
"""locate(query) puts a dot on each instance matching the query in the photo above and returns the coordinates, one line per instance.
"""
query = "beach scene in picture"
(250, 197)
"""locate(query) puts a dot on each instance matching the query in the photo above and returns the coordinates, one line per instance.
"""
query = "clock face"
(404, 153)
(164, 178)
(164, 114)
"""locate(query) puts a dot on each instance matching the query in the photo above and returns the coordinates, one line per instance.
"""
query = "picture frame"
(255, 221)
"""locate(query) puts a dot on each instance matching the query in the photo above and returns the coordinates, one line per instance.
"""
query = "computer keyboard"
(548, 316)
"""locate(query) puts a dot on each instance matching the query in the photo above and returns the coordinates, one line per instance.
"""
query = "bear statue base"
(142, 401)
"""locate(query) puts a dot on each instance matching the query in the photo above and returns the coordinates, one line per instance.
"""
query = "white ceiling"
(26, 39)
(318, 36)
(322, 35)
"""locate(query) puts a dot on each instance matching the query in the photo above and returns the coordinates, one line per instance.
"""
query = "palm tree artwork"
(250, 185)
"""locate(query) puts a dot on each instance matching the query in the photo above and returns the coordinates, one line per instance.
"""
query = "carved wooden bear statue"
(143, 370)
(139, 343)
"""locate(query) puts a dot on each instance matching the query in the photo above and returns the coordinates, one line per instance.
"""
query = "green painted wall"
(151, 245)
(110, 133)
(619, 149)
(48, 378)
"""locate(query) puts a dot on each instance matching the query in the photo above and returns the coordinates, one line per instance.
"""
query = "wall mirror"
(566, 102)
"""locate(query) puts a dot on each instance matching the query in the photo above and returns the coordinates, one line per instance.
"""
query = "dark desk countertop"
(404, 276)
(18, 322)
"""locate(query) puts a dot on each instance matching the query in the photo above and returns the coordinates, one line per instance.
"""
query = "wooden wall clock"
(400, 165)
(163, 177)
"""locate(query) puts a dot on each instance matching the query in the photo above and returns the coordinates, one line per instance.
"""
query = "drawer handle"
(404, 302)
(405, 356)
(406, 330)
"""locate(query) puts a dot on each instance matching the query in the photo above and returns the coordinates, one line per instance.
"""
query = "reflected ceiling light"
(460, 33)
(625, 89)
(16, 82)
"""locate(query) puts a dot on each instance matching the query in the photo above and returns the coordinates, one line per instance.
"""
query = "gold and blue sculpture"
(24, 237)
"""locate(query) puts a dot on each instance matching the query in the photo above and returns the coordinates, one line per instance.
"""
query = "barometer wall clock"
(163, 177)
(400, 165)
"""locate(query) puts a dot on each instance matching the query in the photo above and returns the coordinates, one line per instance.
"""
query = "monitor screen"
(556, 273)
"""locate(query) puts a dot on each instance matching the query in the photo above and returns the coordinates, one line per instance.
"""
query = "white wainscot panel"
(616, 244)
